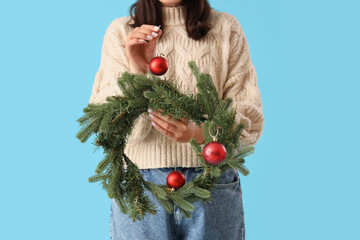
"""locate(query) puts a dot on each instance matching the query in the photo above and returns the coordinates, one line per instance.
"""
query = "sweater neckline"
(173, 15)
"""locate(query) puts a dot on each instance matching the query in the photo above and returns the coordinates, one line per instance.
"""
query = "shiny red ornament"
(175, 179)
(158, 65)
(214, 153)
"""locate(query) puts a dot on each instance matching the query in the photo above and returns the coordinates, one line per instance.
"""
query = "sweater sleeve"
(112, 64)
(241, 86)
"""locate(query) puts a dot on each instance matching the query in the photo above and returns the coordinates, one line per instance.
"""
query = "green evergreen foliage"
(112, 123)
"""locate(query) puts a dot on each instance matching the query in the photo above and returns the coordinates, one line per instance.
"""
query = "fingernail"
(154, 124)
(154, 34)
(150, 115)
(149, 37)
(141, 40)
(156, 28)
(150, 110)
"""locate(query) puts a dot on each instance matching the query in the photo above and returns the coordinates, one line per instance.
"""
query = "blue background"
(304, 178)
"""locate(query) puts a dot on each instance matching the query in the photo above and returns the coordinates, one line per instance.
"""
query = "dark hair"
(196, 16)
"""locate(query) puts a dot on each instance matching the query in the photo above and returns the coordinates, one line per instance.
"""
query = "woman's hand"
(180, 130)
(138, 50)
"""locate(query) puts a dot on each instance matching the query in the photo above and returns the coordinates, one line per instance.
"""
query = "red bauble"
(175, 179)
(214, 153)
(158, 65)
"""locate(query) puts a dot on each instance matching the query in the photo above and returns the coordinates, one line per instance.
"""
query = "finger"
(151, 27)
(165, 124)
(149, 31)
(185, 120)
(141, 35)
(179, 123)
(164, 131)
(159, 113)
(144, 31)
(136, 41)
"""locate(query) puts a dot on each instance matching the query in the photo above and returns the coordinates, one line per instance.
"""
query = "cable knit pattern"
(223, 53)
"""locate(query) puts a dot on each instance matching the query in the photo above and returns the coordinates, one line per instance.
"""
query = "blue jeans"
(222, 218)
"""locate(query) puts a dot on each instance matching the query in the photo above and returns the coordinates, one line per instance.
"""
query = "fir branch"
(244, 170)
(244, 152)
(182, 203)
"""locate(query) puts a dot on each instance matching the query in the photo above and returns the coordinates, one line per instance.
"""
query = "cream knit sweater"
(223, 53)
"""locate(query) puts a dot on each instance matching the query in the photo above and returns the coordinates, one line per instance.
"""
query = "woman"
(215, 41)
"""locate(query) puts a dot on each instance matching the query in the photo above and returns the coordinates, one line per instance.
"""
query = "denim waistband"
(173, 168)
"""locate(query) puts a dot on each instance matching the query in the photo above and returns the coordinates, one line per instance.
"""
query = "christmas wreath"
(112, 123)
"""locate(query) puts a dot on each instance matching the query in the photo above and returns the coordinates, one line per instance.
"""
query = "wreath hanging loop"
(112, 122)
(217, 132)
